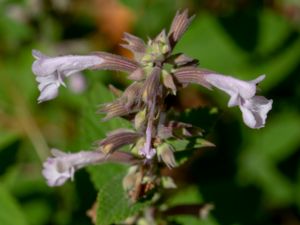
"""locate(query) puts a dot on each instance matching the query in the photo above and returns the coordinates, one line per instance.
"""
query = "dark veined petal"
(184, 60)
(137, 75)
(132, 95)
(190, 74)
(116, 63)
(152, 87)
(114, 109)
(118, 139)
(168, 81)
(136, 45)
(178, 130)
(179, 25)
(165, 153)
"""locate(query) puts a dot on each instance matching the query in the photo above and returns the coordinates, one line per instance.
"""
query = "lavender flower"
(51, 71)
(58, 169)
(242, 93)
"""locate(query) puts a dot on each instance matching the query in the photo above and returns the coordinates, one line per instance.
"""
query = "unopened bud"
(140, 119)
(106, 148)
(139, 145)
(147, 58)
(130, 179)
(168, 81)
(165, 49)
(166, 154)
(117, 139)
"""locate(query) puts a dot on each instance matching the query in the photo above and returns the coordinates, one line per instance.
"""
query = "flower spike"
(155, 137)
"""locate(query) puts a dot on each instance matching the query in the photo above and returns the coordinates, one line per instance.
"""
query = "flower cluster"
(155, 73)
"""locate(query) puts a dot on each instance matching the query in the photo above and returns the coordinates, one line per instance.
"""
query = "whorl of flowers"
(155, 73)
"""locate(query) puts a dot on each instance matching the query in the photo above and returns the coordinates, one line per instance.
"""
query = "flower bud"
(139, 145)
(129, 180)
(139, 120)
(165, 153)
(168, 81)
(179, 25)
(118, 139)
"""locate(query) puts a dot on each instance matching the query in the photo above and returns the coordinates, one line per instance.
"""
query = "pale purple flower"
(51, 71)
(147, 150)
(58, 169)
(242, 93)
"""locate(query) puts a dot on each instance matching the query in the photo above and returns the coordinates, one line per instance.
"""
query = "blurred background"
(252, 176)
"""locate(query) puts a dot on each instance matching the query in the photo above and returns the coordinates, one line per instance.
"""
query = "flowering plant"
(156, 73)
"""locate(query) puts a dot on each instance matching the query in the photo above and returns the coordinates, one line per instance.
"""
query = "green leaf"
(204, 117)
(185, 148)
(189, 195)
(189, 144)
(10, 211)
(264, 150)
(113, 203)
(101, 174)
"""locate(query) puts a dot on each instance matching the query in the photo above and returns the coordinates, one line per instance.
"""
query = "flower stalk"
(156, 74)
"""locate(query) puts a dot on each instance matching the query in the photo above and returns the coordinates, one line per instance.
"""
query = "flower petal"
(62, 166)
(51, 71)
(50, 91)
(233, 86)
(67, 65)
(255, 111)
(179, 25)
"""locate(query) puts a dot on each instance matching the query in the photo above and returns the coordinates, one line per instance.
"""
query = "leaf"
(190, 144)
(101, 174)
(189, 196)
(113, 203)
(264, 150)
(10, 211)
(204, 117)
(185, 148)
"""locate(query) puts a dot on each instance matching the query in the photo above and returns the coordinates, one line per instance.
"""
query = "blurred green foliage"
(252, 176)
